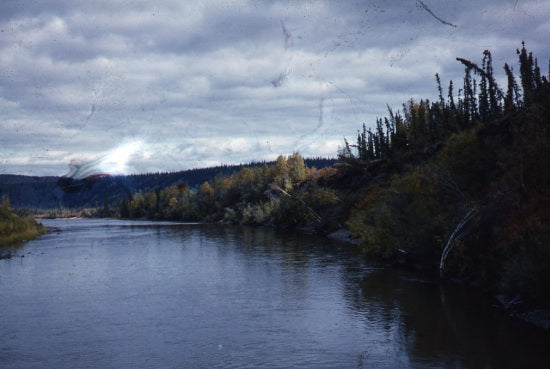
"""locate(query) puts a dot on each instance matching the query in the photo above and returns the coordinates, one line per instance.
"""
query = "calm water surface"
(123, 294)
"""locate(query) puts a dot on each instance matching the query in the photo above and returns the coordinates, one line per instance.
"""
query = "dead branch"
(452, 239)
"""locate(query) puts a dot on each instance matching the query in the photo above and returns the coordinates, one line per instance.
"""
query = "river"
(136, 294)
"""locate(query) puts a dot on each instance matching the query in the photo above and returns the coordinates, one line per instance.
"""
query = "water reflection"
(423, 321)
(447, 324)
(118, 294)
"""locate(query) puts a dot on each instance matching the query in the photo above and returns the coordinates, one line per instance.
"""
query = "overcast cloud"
(221, 82)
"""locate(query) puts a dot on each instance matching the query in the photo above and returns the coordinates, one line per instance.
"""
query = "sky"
(143, 86)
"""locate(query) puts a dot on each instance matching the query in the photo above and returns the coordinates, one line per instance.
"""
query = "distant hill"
(54, 192)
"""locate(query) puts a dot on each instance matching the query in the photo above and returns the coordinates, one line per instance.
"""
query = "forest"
(61, 195)
(457, 187)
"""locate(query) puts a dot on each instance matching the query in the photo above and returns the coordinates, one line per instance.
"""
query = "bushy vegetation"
(459, 185)
(285, 194)
(487, 153)
(15, 229)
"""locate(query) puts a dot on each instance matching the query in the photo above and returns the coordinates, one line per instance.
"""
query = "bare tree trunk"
(452, 239)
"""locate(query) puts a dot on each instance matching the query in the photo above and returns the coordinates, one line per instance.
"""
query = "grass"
(14, 229)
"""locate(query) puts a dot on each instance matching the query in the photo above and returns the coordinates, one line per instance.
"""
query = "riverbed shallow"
(137, 294)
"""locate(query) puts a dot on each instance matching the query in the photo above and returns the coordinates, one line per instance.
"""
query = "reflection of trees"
(456, 329)
(288, 257)
(413, 320)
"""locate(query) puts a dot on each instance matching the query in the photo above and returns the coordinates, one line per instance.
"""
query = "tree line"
(459, 185)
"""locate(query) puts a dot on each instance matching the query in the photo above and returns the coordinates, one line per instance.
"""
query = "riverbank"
(65, 213)
(15, 229)
(514, 306)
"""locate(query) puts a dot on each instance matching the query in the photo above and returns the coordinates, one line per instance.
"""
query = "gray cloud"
(194, 81)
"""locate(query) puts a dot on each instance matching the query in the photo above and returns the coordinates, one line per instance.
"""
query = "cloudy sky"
(173, 85)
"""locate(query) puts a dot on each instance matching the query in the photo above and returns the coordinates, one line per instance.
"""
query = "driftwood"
(452, 239)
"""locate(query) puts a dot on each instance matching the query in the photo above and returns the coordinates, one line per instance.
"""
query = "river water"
(133, 294)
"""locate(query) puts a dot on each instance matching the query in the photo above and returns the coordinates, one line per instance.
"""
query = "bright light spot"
(116, 161)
